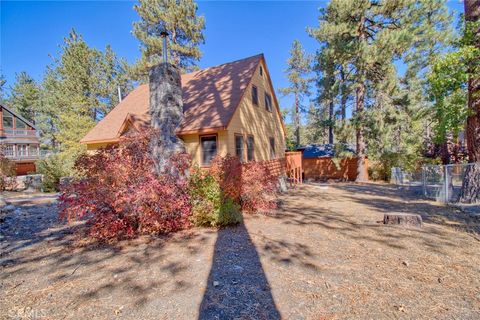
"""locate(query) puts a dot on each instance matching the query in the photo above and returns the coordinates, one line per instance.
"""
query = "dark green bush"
(53, 168)
(209, 205)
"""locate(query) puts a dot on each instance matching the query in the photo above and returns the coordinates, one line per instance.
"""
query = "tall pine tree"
(185, 29)
(25, 96)
(298, 76)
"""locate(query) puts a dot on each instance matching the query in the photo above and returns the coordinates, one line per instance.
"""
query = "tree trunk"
(296, 120)
(470, 192)
(344, 96)
(331, 118)
(362, 173)
(166, 110)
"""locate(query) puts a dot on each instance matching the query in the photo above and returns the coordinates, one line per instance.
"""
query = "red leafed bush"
(120, 196)
(250, 184)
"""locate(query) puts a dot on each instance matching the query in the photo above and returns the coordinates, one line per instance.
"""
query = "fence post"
(424, 182)
(445, 182)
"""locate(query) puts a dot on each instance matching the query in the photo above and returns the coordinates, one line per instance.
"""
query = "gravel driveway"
(322, 256)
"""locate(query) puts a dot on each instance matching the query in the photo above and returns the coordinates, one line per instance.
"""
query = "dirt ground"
(322, 256)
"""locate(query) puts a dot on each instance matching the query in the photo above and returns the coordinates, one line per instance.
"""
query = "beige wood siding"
(192, 145)
(255, 120)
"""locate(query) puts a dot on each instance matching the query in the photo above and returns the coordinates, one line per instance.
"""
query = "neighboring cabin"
(18, 140)
(228, 109)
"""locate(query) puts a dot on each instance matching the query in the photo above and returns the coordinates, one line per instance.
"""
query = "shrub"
(259, 188)
(210, 206)
(121, 196)
(53, 168)
(251, 185)
(8, 179)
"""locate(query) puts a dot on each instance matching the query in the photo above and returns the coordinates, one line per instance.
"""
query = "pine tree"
(3, 81)
(471, 184)
(298, 75)
(25, 96)
(79, 88)
(185, 29)
(364, 39)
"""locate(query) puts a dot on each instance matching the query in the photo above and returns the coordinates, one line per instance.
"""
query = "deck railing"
(294, 169)
(18, 133)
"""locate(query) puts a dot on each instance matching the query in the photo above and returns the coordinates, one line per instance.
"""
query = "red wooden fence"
(293, 161)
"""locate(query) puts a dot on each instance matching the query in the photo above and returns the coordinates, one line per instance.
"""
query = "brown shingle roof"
(210, 98)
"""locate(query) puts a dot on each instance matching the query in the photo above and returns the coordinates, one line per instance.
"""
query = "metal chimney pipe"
(164, 35)
(119, 94)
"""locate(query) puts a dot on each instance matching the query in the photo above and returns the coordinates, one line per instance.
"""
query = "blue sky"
(31, 31)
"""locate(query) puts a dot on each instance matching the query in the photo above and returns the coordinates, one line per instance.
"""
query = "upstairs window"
(19, 124)
(239, 147)
(268, 102)
(255, 95)
(209, 149)
(272, 148)
(250, 148)
(7, 119)
(261, 71)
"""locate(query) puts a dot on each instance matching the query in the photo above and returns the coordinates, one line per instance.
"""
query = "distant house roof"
(210, 98)
(321, 150)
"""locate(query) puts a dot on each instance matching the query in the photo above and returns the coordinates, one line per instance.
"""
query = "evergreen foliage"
(298, 76)
(185, 29)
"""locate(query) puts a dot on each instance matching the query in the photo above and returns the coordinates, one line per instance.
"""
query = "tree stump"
(400, 218)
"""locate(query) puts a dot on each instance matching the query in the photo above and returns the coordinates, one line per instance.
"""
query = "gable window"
(268, 102)
(7, 119)
(19, 124)
(261, 71)
(239, 147)
(250, 148)
(209, 149)
(255, 95)
(272, 148)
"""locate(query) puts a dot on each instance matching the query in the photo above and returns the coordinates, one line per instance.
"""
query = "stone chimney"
(166, 110)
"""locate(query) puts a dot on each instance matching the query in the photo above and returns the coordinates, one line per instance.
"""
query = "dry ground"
(322, 256)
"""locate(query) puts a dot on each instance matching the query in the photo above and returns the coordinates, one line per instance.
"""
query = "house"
(228, 109)
(18, 140)
(318, 163)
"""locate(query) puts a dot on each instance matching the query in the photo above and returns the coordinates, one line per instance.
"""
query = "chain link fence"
(439, 182)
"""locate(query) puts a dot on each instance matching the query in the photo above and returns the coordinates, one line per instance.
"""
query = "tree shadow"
(237, 286)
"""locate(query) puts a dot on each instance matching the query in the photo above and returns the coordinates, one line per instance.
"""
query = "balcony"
(25, 152)
(18, 133)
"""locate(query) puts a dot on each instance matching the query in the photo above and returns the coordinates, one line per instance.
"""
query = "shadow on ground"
(390, 198)
(237, 286)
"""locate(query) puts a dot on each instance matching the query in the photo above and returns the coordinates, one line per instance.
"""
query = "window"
(7, 119)
(33, 150)
(268, 102)
(254, 95)
(8, 150)
(272, 148)
(250, 148)
(261, 71)
(19, 124)
(22, 150)
(209, 149)
(239, 147)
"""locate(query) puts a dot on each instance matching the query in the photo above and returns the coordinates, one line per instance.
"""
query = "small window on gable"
(239, 147)
(250, 148)
(261, 71)
(209, 149)
(255, 95)
(272, 148)
(19, 124)
(268, 102)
